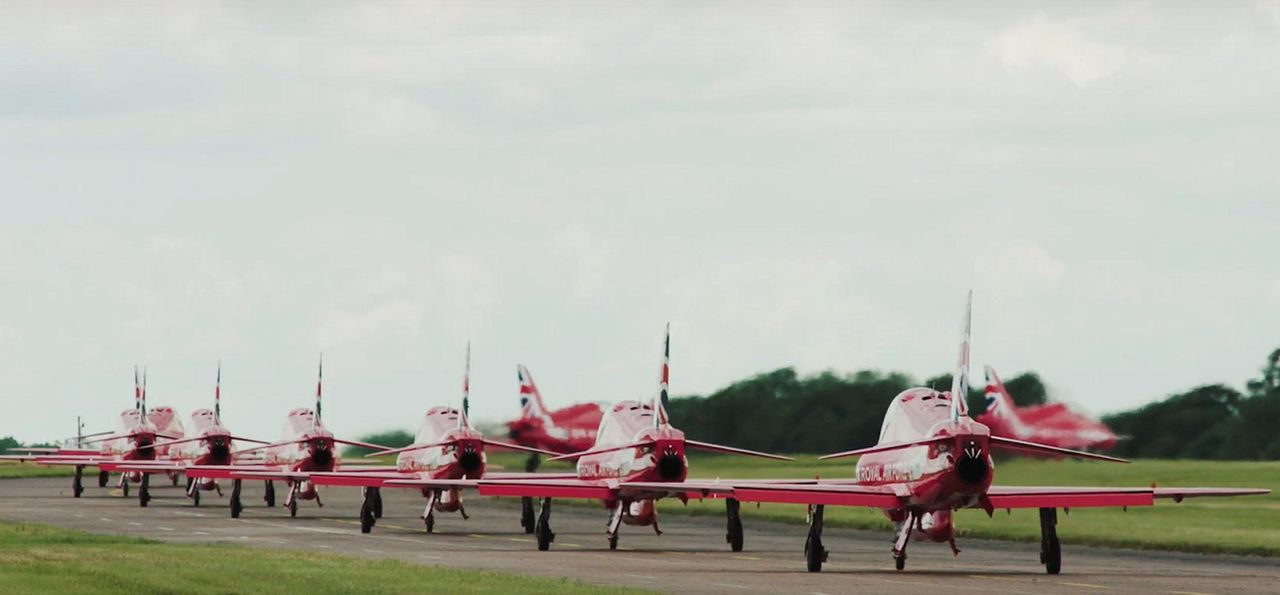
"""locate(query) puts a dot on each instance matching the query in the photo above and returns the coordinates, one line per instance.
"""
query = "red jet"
(208, 443)
(447, 456)
(1052, 423)
(132, 441)
(932, 459)
(568, 430)
(638, 458)
(307, 446)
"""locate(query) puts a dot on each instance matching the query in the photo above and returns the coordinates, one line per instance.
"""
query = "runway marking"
(1187, 593)
(752, 558)
(198, 533)
(104, 519)
(326, 546)
(135, 524)
(1085, 585)
(165, 528)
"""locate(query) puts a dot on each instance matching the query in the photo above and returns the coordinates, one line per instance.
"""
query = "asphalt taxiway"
(691, 555)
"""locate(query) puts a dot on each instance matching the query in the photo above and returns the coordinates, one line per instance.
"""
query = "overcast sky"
(789, 184)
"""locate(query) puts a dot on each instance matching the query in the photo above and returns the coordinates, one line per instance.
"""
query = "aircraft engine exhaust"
(972, 466)
(670, 466)
(469, 460)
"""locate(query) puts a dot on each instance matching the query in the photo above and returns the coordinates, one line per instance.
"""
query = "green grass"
(1243, 525)
(16, 470)
(43, 559)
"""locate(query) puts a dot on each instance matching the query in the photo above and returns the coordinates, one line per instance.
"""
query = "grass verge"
(44, 559)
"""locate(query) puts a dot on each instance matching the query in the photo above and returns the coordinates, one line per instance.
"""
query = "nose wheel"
(1050, 548)
(144, 493)
(269, 495)
(103, 478)
(77, 486)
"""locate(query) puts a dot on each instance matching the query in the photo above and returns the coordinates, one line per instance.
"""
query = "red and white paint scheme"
(306, 446)
(447, 456)
(207, 443)
(133, 440)
(638, 457)
(563, 431)
(1051, 423)
(932, 459)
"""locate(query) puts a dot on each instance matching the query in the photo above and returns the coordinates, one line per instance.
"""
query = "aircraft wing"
(429, 483)
(548, 488)
(227, 471)
(363, 479)
(815, 493)
(1089, 497)
(693, 488)
(143, 466)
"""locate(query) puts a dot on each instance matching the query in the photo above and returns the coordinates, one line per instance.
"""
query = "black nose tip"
(670, 466)
(972, 469)
(470, 461)
(322, 456)
(220, 452)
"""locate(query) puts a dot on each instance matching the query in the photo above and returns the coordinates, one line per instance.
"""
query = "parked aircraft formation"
(931, 459)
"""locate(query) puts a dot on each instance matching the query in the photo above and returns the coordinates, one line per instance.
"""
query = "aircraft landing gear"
(814, 553)
(124, 484)
(193, 492)
(377, 502)
(429, 513)
(103, 478)
(734, 534)
(173, 477)
(543, 529)
(526, 514)
(77, 487)
(144, 494)
(1050, 549)
(901, 539)
(269, 496)
(236, 506)
(291, 499)
(615, 522)
(367, 517)
(532, 463)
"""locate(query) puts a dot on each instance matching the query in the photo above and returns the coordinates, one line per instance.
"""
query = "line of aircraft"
(931, 459)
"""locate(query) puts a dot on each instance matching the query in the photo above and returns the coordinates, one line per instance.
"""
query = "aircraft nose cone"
(220, 451)
(670, 466)
(972, 467)
(469, 460)
(322, 456)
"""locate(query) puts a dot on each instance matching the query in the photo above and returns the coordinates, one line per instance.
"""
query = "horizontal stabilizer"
(496, 444)
(596, 451)
(1031, 448)
(707, 446)
(885, 448)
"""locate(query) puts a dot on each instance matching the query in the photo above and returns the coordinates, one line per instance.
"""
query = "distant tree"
(1168, 428)
(1270, 380)
(9, 442)
(390, 439)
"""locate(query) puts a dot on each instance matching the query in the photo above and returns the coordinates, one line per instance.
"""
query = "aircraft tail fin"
(664, 383)
(999, 402)
(531, 406)
(319, 389)
(960, 379)
(463, 422)
(217, 395)
(137, 390)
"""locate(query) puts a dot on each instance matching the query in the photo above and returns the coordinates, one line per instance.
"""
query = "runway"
(691, 556)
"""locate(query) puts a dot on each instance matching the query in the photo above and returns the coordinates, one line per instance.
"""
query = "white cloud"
(1058, 45)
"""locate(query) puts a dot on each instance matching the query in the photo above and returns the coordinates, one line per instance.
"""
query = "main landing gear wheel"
(734, 534)
(77, 486)
(377, 502)
(174, 478)
(1050, 549)
(526, 514)
(430, 522)
(293, 507)
(900, 562)
(532, 463)
(543, 529)
(236, 506)
(814, 553)
(144, 494)
(270, 495)
(367, 519)
(103, 478)
(613, 541)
